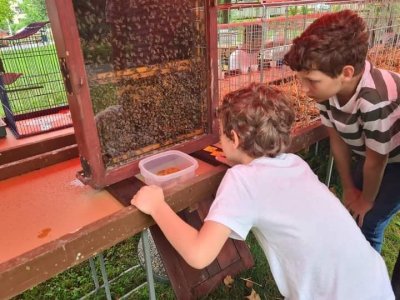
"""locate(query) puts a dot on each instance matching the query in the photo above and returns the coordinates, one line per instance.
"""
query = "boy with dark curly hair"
(314, 248)
(359, 105)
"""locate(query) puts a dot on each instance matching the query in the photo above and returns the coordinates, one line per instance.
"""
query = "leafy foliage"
(5, 12)
(34, 10)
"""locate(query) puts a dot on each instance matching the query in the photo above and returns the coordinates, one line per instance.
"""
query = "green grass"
(77, 282)
(40, 86)
(42, 77)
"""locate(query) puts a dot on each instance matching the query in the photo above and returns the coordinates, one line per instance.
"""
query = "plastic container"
(151, 166)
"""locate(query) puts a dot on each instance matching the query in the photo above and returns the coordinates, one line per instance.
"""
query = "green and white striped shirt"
(371, 118)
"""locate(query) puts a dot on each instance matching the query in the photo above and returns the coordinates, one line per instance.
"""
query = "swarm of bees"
(156, 54)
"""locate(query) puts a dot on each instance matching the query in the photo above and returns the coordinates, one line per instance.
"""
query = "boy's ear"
(235, 138)
(348, 72)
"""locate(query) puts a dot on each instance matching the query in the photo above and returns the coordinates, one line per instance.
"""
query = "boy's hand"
(359, 209)
(148, 198)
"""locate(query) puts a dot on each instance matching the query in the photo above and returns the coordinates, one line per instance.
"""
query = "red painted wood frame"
(95, 173)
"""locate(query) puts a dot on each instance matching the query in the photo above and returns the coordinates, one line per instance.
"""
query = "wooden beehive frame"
(66, 35)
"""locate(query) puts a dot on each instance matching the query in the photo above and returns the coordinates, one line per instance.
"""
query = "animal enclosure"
(32, 91)
(253, 38)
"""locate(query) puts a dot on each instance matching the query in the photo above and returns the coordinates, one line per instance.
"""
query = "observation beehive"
(139, 79)
(254, 36)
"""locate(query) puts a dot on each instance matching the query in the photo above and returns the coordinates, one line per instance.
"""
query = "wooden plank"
(38, 161)
(111, 76)
(125, 189)
(42, 263)
(207, 286)
(182, 276)
(11, 154)
(242, 249)
(202, 209)
(228, 255)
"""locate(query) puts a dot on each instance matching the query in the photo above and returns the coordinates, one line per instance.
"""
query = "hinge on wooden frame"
(65, 74)
(86, 173)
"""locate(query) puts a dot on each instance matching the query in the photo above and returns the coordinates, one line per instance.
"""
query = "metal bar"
(114, 279)
(329, 171)
(282, 3)
(94, 274)
(25, 89)
(148, 267)
(133, 291)
(104, 275)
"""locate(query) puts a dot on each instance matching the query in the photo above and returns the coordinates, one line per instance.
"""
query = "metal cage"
(254, 36)
(32, 91)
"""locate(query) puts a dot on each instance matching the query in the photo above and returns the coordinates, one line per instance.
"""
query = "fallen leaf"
(253, 296)
(228, 281)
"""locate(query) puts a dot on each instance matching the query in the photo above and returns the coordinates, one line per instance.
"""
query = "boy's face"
(227, 144)
(318, 85)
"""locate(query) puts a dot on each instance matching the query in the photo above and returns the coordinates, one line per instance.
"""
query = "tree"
(5, 13)
(34, 10)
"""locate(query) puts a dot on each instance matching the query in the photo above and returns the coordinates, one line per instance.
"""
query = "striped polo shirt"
(371, 118)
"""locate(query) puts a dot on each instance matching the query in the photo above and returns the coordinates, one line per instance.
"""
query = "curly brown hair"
(330, 43)
(262, 117)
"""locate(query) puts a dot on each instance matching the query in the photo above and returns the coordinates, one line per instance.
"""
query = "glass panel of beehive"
(146, 62)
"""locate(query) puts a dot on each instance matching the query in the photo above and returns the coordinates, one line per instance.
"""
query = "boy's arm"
(374, 167)
(342, 155)
(198, 248)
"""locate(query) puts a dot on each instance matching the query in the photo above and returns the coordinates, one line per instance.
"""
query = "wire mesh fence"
(254, 36)
(32, 91)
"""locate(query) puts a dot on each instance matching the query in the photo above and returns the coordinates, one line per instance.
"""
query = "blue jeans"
(387, 203)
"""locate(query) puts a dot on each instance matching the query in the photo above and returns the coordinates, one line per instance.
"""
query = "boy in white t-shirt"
(313, 246)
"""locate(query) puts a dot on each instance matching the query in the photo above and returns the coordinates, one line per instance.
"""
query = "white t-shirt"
(314, 248)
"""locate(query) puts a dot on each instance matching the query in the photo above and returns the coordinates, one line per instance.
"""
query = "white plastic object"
(150, 166)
